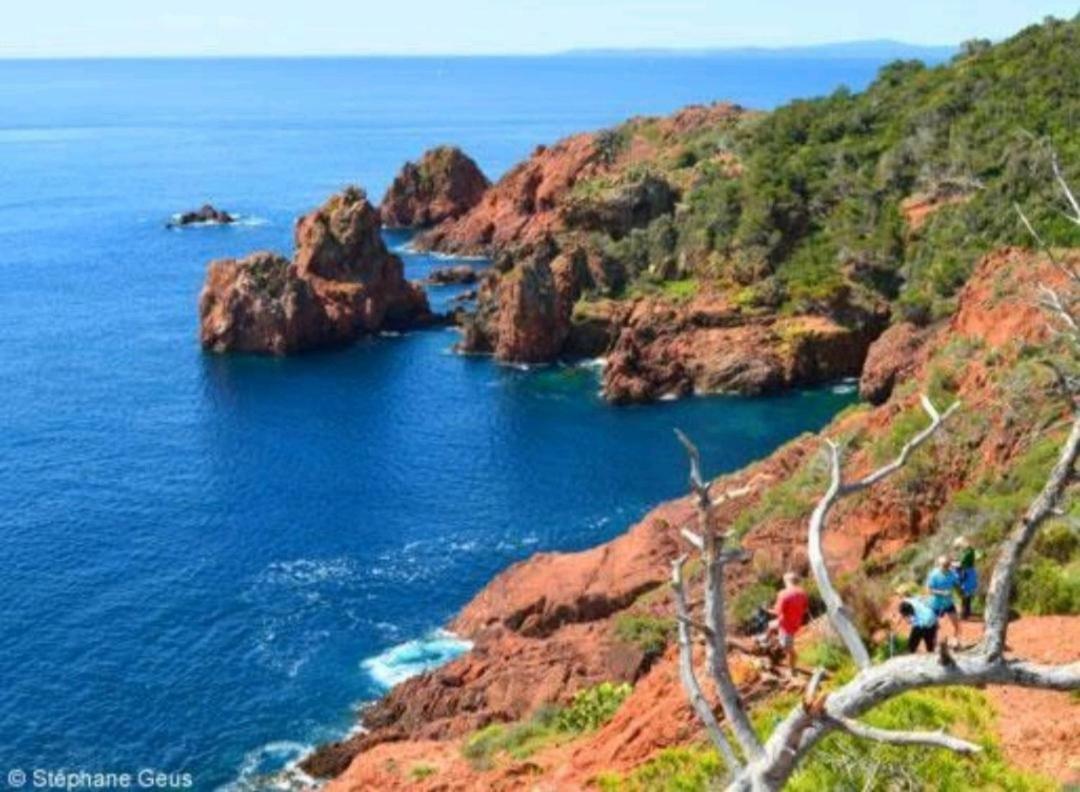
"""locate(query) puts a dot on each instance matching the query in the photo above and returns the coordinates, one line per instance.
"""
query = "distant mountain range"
(885, 49)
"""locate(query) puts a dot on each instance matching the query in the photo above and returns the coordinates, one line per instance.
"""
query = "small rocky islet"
(207, 214)
(341, 283)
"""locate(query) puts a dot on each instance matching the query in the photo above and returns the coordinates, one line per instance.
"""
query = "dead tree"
(767, 764)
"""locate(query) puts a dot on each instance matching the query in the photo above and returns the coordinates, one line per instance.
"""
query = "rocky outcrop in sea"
(443, 185)
(341, 283)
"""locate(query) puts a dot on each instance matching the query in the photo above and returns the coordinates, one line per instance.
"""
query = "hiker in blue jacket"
(923, 621)
(941, 582)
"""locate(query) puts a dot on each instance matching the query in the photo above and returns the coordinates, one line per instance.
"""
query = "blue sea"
(208, 563)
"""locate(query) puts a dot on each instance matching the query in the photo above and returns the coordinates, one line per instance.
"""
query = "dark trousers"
(927, 635)
(965, 606)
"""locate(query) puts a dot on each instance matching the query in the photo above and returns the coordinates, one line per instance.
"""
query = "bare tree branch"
(1052, 302)
(999, 593)
(686, 670)
(937, 739)
(1075, 216)
(715, 617)
(799, 732)
(839, 615)
(693, 538)
(936, 420)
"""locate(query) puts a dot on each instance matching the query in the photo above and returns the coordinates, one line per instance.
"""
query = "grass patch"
(649, 633)
(421, 771)
(590, 709)
(670, 770)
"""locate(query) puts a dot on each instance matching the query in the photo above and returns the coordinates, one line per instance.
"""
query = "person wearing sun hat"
(968, 576)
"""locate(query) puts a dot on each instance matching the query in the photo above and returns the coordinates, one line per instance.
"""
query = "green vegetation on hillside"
(843, 762)
(805, 204)
(590, 709)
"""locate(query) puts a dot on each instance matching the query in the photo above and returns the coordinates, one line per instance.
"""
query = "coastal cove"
(211, 561)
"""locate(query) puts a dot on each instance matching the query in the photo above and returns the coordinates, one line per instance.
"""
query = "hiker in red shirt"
(790, 612)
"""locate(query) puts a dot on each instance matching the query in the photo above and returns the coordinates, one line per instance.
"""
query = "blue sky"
(47, 28)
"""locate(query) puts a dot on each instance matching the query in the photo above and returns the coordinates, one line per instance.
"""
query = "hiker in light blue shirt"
(923, 621)
(941, 582)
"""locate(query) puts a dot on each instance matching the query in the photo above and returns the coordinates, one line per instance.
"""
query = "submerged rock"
(341, 283)
(206, 215)
(447, 276)
(443, 185)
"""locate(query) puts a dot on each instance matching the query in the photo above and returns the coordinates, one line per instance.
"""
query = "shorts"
(941, 610)
(787, 640)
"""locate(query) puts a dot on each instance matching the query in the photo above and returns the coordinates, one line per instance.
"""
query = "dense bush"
(1046, 587)
(592, 707)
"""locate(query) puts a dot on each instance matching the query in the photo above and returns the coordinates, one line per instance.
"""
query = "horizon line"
(697, 51)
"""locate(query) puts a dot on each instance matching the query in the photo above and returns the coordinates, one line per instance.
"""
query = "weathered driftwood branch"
(938, 739)
(839, 615)
(712, 553)
(698, 701)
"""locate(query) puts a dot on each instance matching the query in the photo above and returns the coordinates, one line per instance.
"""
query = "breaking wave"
(412, 658)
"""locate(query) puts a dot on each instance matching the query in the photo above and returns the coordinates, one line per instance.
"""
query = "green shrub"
(827, 653)
(744, 606)
(421, 771)
(1059, 542)
(592, 707)
(649, 633)
(1045, 587)
(518, 740)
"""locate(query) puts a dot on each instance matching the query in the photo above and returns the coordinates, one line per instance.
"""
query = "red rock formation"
(443, 185)
(667, 348)
(891, 357)
(341, 283)
(525, 315)
(533, 200)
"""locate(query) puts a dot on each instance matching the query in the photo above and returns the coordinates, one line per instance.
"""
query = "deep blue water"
(201, 556)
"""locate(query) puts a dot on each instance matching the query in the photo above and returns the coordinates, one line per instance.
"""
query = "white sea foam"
(845, 388)
(592, 363)
(274, 766)
(409, 659)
